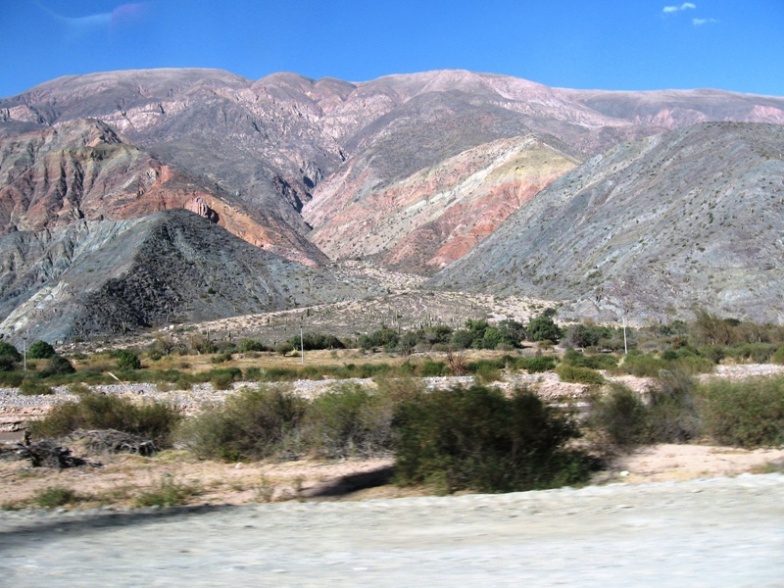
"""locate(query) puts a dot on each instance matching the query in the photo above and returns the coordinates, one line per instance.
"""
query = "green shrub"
(649, 366)
(486, 371)
(224, 378)
(753, 352)
(11, 379)
(512, 332)
(127, 360)
(32, 387)
(349, 421)
(476, 438)
(673, 413)
(479, 334)
(274, 374)
(462, 339)
(57, 366)
(56, 496)
(152, 420)
(399, 389)
(671, 416)
(542, 363)
(602, 361)
(747, 413)
(78, 389)
(710, 329)
(579, 375)
(642, 365)
(621, 415)
(41, 350)
(167, 492)
(201, 344)
(432, 369)
(7, 363)
(221, 357)
(370, 370)
(587, 335)
(254, 424)
(778, 356)
(314, 341)
(249, 345)
(692, 365)
(8, 355)
(714, 353)
(384, 337)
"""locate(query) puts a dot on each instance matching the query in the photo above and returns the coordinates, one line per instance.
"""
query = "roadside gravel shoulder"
(714, 532)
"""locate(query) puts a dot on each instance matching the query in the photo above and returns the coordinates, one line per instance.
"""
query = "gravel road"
(712, 533)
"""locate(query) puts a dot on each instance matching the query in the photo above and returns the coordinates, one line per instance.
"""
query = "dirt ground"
(121, 479)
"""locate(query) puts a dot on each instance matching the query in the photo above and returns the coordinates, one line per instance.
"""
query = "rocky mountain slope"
(424, 222)
(652, 229)
(409, 172)
(96, 277)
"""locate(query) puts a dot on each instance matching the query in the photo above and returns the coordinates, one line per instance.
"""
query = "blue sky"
(609, 44)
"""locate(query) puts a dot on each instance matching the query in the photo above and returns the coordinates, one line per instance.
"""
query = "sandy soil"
(122, 478)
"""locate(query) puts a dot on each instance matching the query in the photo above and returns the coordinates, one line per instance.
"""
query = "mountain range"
(636, 205)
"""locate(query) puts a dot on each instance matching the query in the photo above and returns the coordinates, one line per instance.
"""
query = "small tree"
(543, 328)
(8, 355)
(41, 350)
(587, 336)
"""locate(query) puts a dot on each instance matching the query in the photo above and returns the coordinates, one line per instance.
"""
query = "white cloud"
(698, 22)
(684, 6)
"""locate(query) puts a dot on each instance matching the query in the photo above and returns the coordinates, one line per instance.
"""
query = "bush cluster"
(476, 438)
(310, 342)
(152, 420)
(646, 365)
(34, 387)
(671, 415)
(476, 334)
(747, 413)
(9, 356)
(594, 361)
(579, 375)
(462, 438)
(273, 422)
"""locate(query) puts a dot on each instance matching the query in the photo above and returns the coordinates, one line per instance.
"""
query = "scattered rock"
(113, 441)
(48, 454)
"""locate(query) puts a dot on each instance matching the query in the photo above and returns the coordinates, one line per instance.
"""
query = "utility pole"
(24, 353)
(301, 344)
(625, 348)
